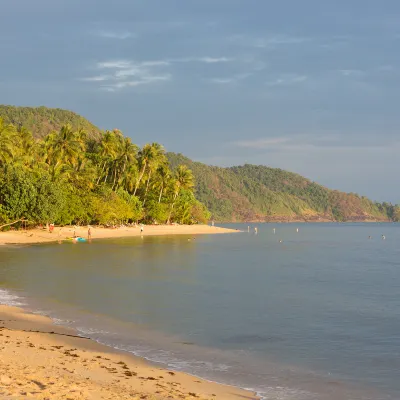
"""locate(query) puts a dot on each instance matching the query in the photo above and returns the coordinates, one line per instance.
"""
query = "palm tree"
(27, 147)
(158, 157)
(7, 141)
(146, 155)
(67, 146)
(126, 156)
(107, 152)
(164, 177)
(183, 180)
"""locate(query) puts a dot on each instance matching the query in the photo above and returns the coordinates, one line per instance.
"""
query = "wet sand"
(39, 360)
(43, 236)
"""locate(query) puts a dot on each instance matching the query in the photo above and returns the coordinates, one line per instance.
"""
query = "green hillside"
(259, 193)
(243, 193)
(43, 120)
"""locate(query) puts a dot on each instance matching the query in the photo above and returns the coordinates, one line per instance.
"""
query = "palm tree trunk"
(115, 176)
(172, 207)
(147, 188)
(140, 178)
(102, 172)
(161, 192)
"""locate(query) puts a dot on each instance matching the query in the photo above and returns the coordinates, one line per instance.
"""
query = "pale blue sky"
(311, 86)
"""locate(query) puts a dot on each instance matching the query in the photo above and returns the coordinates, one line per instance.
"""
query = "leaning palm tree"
(163, 178)
(158, 158)
(146, 155)
(107, 151)
(183, 180)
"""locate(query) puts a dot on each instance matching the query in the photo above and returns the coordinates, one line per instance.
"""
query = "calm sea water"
(316, 316)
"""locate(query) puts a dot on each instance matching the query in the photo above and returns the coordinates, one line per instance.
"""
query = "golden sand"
(43, 236)
(39, 360)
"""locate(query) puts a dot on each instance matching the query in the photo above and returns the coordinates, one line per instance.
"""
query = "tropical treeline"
(70, 177)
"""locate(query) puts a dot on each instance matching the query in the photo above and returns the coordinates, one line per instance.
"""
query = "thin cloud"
(143, 81)
(124, 73)
(233, 79)
(115, 35)
(98, 78)
(118, 64)
(206, 59)
(222, 81)
(285, 80)
(352, 72)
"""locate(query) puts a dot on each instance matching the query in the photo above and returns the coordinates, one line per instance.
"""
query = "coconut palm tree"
(163, 178)
(7, 141)
(146, 155)
(107, 151)
(183, 180)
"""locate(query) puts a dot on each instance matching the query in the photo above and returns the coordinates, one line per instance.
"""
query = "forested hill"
(244, 193)
(43, 120)
(259, 193)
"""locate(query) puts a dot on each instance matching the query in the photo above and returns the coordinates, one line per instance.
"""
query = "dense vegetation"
(69, 177)
(259, 193)
(55, 166)
(43, 120)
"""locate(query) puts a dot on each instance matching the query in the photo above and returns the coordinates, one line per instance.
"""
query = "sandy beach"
(39, 360)
(42, 236)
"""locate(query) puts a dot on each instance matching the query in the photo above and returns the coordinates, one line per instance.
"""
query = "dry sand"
(39, 360)
(43, 236)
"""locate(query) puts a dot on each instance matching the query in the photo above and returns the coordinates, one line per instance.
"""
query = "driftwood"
(12, 223)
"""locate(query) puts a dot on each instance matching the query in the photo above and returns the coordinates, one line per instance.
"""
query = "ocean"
(313, 314)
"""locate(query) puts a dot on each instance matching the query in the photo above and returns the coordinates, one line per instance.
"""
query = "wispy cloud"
(352, 72)
(120, 74)
(206, 60)
(98, 78)
(232, 79)
(125, 73)
(288, 79)
(114, 34)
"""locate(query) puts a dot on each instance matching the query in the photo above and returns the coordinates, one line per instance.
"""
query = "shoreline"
(36, 236)
(42, 360)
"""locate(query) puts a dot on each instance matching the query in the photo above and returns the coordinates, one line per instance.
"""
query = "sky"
(309, 86)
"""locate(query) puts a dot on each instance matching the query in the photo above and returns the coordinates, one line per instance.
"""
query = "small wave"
(8, 299)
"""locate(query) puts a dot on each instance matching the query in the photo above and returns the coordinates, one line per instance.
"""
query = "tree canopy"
(260, 193)
(69, 177)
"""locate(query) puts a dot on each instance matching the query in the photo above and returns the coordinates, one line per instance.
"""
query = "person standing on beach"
(89, 233)
(141, 229)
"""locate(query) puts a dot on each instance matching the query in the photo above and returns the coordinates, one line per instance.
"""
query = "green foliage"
(43, 120)
(17, 193)
(71, 177)
(254, 192)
